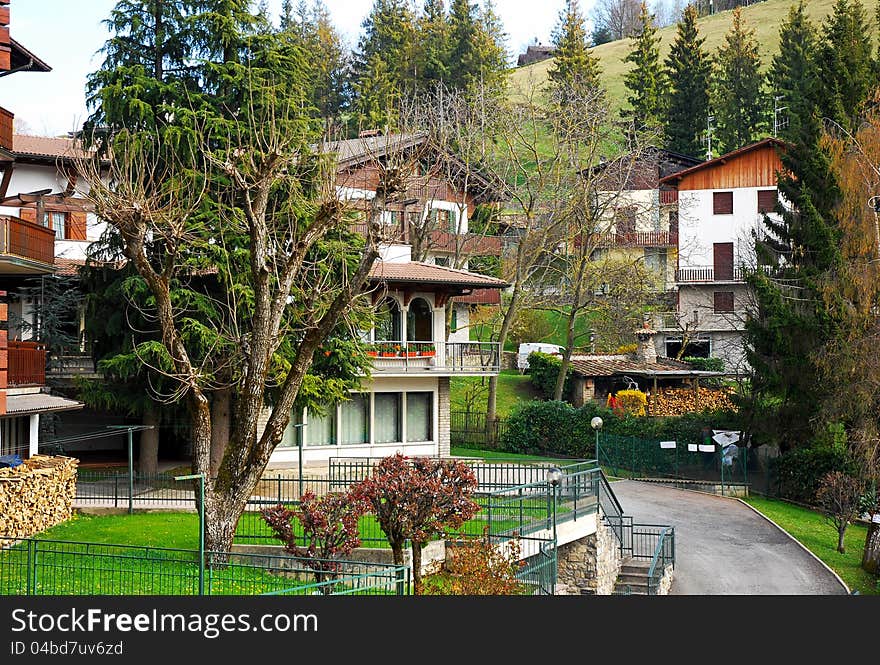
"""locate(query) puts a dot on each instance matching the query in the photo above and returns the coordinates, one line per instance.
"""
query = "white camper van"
(522, 356)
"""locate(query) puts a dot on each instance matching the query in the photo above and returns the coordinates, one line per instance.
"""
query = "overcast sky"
(67, 34)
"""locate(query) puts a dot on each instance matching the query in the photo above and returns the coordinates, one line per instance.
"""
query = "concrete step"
(630, 590)
(626, 578)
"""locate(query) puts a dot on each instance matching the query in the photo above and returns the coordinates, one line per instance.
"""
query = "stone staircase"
(633, 577)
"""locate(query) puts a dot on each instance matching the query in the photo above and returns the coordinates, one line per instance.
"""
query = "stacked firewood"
(36, 495)
(676, 401)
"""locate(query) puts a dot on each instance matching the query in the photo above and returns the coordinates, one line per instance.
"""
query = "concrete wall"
(443, 417)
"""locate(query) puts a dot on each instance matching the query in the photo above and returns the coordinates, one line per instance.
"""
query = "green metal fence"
(48, 567)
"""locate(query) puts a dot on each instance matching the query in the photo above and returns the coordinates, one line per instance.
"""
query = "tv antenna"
(708, 141)
(780, 121)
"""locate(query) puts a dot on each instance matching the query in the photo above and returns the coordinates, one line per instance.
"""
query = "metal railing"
(27, 363)
(26, 239)
(637, 239)
(402, 356)
(663, 556)
(698, 274)
(49, 567)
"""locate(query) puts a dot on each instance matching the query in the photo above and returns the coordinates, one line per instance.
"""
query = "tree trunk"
(566, 355)
(417, 567)
(220, 428)
(841, 532)
(871, 555)
(148, 456)
(492, 399)
(222, 510)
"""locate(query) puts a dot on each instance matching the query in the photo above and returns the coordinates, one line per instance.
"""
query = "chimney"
(646, 353)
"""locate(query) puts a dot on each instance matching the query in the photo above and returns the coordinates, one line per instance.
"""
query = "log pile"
(36, 495)
(677, 401)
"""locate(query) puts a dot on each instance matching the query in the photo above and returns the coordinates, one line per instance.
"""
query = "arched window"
(419, 321)
(387, 327)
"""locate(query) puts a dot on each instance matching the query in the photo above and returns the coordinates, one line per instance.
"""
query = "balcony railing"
(704, 320)
(703, 274)
(437, 357)
(27, 364)
(639, 239)
(26, 240)
(668, 196)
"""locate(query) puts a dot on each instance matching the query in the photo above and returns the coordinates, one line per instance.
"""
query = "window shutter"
(76, 226)
(722, 203)
(723, 301)
(28, 214)
(766, 200)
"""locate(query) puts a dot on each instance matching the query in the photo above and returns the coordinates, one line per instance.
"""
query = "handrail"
(660, 556)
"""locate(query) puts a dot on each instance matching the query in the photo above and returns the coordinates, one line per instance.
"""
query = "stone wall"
(590, 565)
(36, 495)
(665, 582)
(443, 426)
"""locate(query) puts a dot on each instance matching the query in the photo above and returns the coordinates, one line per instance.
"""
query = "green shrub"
(543, 370)
(706, 364)
(545, 428)
(799, 471)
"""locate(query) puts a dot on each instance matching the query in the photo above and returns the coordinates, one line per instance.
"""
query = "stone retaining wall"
(591, 564)
(36, 495)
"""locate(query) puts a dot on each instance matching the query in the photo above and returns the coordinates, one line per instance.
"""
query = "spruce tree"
(477, 56)
(846, 62)
(688, 70)
(433, 44)
(794, 75)
(575, 70)
(376, 95)
(791, 321)
(736, 91)
(646, 80)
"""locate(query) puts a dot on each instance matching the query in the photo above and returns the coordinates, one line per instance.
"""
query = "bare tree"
(619, 17)
(840, 496)
(253, 210)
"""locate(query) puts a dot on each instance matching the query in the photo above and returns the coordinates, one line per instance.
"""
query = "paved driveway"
(723, 547)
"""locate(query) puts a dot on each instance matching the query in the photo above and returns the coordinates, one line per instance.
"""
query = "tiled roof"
(45, 147)
(39, 403)
(68, 267)
(424, 273)
(353, 151)
(611, 365)
(481, 297)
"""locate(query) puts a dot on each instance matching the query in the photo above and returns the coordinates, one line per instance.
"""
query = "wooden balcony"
(25, 246)
(668, 197)
(635, 239)
(27, 364)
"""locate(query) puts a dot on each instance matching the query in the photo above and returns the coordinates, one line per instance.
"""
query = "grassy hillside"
(764, 17)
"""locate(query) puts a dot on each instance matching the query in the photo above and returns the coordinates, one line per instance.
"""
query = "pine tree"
(791, 320)
(376, 95)
(736, 90)
(575, 70)
(688, 70)
(846, 62)
(477, 56)
(433, 42)
(288, 19)
(646, 80)
(794, 75)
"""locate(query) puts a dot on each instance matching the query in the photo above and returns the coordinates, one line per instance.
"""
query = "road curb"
(800, 544)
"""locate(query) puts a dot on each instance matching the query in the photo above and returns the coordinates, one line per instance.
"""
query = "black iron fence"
(470, 429)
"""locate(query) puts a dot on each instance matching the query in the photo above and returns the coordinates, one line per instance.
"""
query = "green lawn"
(816, 534)
(513, 389)
(764, 17)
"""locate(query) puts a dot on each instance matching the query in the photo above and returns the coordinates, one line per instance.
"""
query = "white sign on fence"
(707, 448)
(692, 447)
(667, 444)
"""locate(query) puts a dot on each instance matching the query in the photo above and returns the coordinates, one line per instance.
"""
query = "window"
(625, 220)
(354, 419)
(56, 221)
(441, 261)
(722, 203)
(766, 200)
(453, 322)
(419, 321)
(321, 428)
(723, 301)
(387, 327)
(419, 411)
(446, 220)
(387, 417)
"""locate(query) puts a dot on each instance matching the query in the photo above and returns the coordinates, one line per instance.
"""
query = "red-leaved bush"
(329, 530)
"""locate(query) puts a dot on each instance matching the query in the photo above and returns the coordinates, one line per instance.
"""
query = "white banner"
(692, 447)
(707, 449)
(667, 444)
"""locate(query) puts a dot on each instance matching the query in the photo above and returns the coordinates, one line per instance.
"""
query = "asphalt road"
(723, 547)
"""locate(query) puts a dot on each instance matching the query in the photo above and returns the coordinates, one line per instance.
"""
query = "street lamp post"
(596, 423)
(300, 434)
(201, 478)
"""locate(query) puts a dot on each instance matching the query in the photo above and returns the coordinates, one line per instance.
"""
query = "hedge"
(544, 370)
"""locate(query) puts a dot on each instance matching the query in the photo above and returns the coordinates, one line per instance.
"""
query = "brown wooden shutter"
(766, 200)
(28, 214)
(723, 255)
(722, 203)
(76, 226)
(723, 301)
